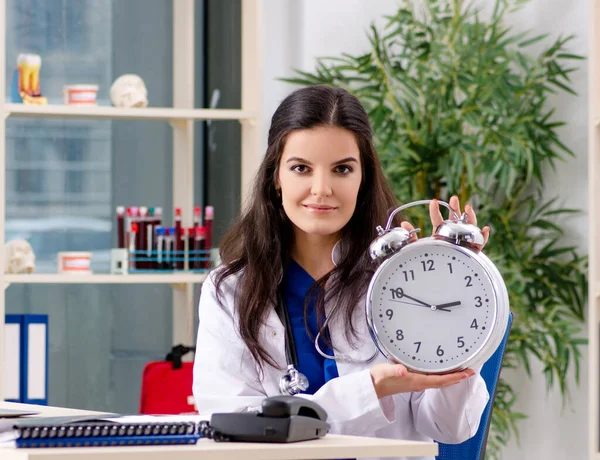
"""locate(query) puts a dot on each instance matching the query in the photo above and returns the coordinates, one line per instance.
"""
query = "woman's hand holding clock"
(436, 217)
(389, 379)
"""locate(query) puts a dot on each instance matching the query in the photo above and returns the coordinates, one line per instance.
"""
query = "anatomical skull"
(19, 257)
(129, 90)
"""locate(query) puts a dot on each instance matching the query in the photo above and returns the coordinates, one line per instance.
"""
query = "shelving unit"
(181, 117)
(594, 229)
(151, 278)
(114, 113)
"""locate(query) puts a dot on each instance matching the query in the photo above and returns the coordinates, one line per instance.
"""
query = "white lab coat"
(227, 378)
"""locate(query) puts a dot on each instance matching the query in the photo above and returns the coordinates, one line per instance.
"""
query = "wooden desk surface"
(330, 446)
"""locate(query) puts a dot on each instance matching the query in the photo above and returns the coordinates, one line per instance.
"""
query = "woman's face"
(319, 176)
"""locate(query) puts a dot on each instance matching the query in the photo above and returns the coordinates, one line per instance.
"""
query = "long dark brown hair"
(257, 247)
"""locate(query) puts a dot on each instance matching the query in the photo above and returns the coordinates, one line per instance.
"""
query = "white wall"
(297, 31)
(554, 432)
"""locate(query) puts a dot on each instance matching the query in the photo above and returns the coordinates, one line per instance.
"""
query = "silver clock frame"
(501, 315)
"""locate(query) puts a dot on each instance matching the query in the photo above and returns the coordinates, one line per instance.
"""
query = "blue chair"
(474, 448)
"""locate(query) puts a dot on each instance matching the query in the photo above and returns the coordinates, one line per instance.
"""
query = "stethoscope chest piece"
(293, 382)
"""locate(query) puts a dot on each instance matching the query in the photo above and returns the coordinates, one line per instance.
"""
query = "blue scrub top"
(317, 369)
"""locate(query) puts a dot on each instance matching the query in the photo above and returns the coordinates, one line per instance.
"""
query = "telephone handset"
(282, 419)
(286, 406)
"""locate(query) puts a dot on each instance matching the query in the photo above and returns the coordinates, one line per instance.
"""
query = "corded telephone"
(282, 419)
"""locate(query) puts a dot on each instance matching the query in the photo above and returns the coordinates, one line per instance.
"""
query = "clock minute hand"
(417, 304)
(416, 300)
(407, 303)
(425, 304)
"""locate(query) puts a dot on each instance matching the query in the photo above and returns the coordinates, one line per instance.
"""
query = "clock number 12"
(427, 265)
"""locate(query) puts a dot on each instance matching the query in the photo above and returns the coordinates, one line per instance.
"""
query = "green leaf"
(570, 56)
(562, 211)
(555, 82)
(533, 40)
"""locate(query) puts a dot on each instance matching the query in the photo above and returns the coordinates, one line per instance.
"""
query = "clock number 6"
(440, 352)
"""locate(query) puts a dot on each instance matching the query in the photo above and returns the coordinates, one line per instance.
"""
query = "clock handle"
(417, 203)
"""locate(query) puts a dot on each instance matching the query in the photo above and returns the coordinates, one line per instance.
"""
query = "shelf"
(181, 114)
(112, 113)
(151, 278)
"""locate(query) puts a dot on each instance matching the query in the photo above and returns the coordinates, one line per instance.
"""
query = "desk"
(331, 446)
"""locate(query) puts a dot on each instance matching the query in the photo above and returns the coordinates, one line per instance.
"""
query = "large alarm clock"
(437, 304)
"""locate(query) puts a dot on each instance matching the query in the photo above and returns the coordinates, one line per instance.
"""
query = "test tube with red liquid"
(209, 215)
(178, 247)
(121, 226)
(132, 244)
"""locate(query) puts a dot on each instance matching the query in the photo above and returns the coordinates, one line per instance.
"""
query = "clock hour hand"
(449, 304)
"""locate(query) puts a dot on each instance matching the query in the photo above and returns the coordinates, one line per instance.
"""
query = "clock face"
(432, 306)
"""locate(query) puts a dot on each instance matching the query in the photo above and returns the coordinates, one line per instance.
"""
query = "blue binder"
(13, 327)
(32, 358)
(91, 431)
(35, 359)
(155, 440)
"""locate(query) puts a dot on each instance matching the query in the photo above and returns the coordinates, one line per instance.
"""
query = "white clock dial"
(432, 306)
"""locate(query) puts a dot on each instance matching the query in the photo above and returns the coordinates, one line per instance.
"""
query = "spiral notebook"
(92, 431)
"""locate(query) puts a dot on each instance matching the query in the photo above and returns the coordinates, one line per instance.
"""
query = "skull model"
(129, 90)
(19, 257)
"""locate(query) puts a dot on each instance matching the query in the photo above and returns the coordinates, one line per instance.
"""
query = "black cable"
(291, 355)
(209, 432)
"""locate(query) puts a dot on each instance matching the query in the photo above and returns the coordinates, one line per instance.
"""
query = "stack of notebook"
(91, 431)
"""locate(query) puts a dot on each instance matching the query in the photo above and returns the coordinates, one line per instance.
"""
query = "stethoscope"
(294, 381)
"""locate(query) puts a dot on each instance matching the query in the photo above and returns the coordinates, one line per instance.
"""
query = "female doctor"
(298, 256)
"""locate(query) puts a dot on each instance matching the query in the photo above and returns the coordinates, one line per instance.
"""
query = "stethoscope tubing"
(288, 383)
(341, 357)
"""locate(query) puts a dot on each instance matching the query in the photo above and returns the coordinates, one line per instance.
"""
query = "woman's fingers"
(409, 227)
(389, 379)
(439, 381)
(472, 219)
(435, 212)
(436, 217)
(485, 231)
(455, 205)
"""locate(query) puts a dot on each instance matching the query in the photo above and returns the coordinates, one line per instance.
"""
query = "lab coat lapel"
(273, 338)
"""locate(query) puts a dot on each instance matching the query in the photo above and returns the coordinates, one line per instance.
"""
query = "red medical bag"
(167, 385)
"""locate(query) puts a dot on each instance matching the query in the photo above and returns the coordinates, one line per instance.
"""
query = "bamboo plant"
(458, 105)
